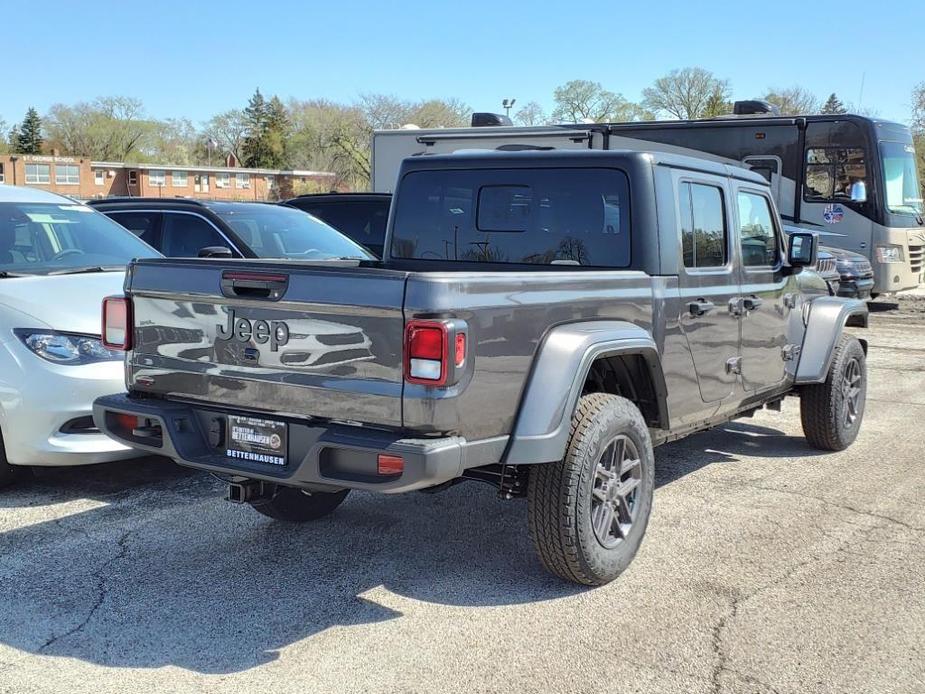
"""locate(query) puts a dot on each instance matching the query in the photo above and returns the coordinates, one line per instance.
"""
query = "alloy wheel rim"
(851, 392)
(615, 494)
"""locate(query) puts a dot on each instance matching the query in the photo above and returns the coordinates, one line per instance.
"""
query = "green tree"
(530, 114)
(278, 130)
(255, 149)
(26, 138)
(793, 101)
(229, 130)
(4, 143)
(582, 101)
(688, 93)
(110, 128)
(833, 105)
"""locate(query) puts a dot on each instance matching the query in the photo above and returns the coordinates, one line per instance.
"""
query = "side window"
(757, 233)
(185, 234)
(830, 171)
(703, 226)
(142, 224)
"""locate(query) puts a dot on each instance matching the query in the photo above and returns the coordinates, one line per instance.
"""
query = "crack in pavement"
(102, 589)
(736, 600)
(836, 504)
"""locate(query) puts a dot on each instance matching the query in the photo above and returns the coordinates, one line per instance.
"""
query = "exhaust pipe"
(247, 491)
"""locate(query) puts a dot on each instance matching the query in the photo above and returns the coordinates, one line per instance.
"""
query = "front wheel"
(588, 512)
(831, 412)
(297, 506)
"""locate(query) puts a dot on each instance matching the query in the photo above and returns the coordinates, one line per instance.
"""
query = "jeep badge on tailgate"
(275, 332)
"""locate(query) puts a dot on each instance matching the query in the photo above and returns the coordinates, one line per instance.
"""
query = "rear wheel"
(831, 412)
(298, 506)
(588, 512)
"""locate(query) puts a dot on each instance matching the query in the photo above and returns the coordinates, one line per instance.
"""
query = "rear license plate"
(256, 440)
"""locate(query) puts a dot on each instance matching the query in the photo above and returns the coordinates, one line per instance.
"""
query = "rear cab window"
(572, 216)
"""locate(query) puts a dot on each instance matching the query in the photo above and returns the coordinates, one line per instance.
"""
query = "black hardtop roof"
(553, 158)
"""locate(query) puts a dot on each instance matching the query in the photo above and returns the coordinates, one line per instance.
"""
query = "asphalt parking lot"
(768, 567)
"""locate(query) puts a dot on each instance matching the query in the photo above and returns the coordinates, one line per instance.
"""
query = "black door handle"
(699, 307)
(751, 303)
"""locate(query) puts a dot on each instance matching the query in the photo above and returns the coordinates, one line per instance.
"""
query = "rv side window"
(756, 230)
(830, 171)
(703, 226)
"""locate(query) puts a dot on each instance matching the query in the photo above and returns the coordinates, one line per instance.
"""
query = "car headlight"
(890, 254)
(66, 348)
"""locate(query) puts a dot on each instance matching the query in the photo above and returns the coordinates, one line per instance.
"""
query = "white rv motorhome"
(849, 178)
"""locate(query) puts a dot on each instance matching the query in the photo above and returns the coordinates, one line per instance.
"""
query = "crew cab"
(541, 321)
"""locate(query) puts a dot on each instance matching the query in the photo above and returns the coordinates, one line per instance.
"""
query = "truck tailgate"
(294, 339)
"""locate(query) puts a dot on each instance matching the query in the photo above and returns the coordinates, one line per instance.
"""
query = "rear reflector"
(390, 464)
(126, 423)
(117, 323)
(460, 348)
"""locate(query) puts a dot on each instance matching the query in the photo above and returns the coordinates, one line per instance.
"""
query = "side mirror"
(801, 249)
(858, 192)
(215, 252)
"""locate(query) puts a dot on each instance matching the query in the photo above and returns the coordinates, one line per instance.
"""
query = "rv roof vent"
(482, 120)
(754, 107)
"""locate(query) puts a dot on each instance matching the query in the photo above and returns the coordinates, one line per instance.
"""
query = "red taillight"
(390, 464)
(117, 323)
(426, 352)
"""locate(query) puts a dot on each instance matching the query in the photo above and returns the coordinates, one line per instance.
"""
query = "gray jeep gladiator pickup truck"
(541, 320)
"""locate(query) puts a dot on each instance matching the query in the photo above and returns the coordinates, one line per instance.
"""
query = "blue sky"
(194, 59)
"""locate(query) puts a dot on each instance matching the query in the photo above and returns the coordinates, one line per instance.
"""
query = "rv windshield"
(903, 194)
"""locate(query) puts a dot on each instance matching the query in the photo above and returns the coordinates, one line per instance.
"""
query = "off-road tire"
(295, 506)
(824, 409)
(559, 494)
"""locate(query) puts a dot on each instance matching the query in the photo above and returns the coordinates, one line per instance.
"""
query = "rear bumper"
(318, 455)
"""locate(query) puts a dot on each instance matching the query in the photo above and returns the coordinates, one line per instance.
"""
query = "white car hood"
(69, 303)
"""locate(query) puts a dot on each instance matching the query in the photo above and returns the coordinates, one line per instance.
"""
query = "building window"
(133, 178)
(157, 179)
(1, 173)
(99, 177)
(270, 181)
(67, 174)
(222, 180)
(38, 173)
(178, 179)
(242, 180)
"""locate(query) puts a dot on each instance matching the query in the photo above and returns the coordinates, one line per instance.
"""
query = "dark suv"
(181, 228)
(361, 216)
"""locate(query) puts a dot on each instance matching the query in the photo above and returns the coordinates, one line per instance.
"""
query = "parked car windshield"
(527, 216)
(280, 232)
(43, 238)
(901, 180)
